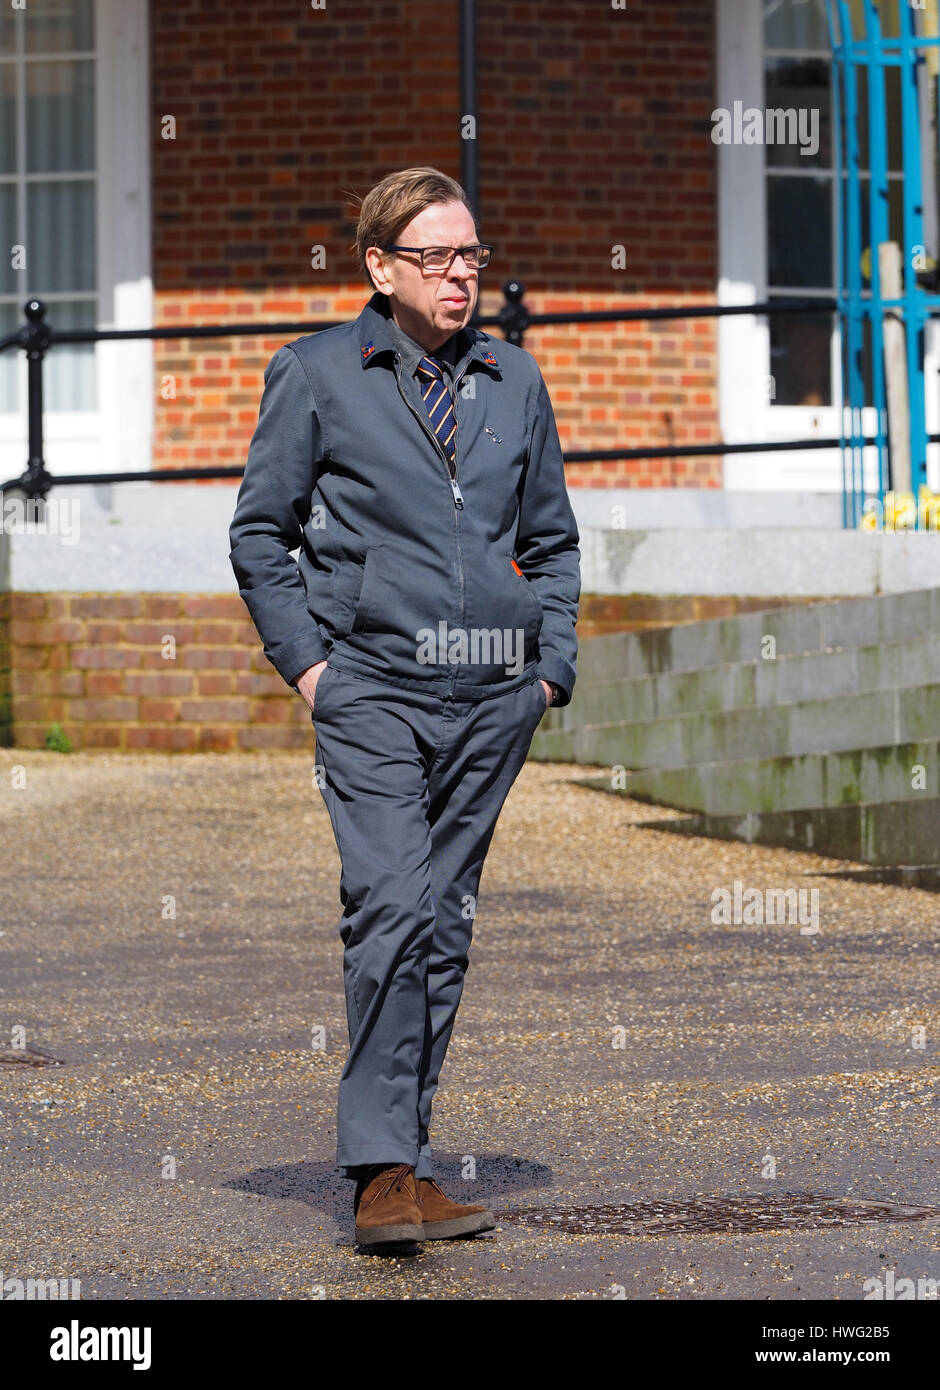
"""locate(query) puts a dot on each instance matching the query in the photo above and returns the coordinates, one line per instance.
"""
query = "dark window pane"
(799, 232)
(60, 117)
(9, 361)
(892, 119)
(60, 223)
(864, 362)
(59, 26)
(11, 281)
(7, 118)
(801, 89)
(800, 359)
(69, 382)
(795, 24)
(7, 31)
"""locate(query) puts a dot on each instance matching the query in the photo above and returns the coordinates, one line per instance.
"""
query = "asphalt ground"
(170, 934)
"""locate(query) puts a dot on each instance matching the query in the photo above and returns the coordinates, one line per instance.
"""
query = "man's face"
(429, 305)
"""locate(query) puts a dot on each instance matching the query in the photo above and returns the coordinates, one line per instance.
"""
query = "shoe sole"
(459, 1226)
(389, 1235)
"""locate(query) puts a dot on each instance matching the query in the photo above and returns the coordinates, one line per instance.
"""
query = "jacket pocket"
(529, 597)
(403, 594)
(500, 598)
(344, 600)
(369, 595)
(318, 691)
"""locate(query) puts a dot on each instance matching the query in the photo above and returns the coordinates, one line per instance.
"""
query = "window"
(780, 375)
(800, 191)
(75, 193)
(49, 190)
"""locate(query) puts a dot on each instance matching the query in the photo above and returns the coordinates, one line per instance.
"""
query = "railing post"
(34, 337)
(513, 316)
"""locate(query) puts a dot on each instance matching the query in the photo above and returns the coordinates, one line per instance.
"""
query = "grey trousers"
(414, 784)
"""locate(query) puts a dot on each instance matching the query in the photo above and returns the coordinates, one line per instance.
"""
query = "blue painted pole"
(913, 203)
(850, 291)
(838, 164)
(878, 226)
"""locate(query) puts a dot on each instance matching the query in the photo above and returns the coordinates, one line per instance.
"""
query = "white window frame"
(118, 435)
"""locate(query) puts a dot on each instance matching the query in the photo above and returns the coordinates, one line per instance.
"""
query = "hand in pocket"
(308, 681)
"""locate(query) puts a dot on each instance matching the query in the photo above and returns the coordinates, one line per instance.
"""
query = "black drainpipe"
(467, 40)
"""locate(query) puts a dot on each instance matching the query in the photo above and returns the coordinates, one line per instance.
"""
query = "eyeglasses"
(442, 257)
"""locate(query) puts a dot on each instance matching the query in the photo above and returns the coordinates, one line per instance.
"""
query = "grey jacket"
(465, 585)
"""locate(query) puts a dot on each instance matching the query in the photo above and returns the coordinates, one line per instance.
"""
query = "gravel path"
(615, 1046)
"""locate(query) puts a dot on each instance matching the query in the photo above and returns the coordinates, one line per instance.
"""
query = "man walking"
(428, 623)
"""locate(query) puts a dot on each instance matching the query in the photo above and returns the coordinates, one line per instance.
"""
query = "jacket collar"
(375, 339)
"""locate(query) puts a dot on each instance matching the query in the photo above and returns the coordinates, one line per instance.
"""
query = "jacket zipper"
(458, 500)
(451, 474)
(425, 425)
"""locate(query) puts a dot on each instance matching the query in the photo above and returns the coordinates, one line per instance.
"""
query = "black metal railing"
(37, 336)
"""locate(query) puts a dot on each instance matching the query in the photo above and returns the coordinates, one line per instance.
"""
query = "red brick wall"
(587, 140)
(95, 665)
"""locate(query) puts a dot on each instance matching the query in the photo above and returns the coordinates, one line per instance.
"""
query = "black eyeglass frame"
(454, 250)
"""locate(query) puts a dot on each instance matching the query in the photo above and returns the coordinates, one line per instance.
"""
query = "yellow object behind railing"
(902, 511)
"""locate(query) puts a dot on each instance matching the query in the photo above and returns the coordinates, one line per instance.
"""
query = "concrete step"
(891, 833)
(813, 780)
(787, 680)
(873, 719)
(814, 627)
(926, 876)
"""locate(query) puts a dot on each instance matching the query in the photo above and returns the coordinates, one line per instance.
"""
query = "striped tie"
(439, 405)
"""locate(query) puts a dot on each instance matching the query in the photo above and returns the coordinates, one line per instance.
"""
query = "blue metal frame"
(862, 310)
(915, 316)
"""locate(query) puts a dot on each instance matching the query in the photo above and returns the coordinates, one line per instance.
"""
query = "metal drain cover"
(791, 1211)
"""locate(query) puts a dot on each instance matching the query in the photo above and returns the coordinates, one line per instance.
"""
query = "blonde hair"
(388, 207)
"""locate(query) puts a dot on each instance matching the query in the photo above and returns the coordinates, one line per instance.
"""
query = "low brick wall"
(186, 672)
(633, 612)
(135, 671)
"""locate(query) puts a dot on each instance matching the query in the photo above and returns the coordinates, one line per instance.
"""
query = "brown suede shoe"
(388, 1208)
(444, 1218)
